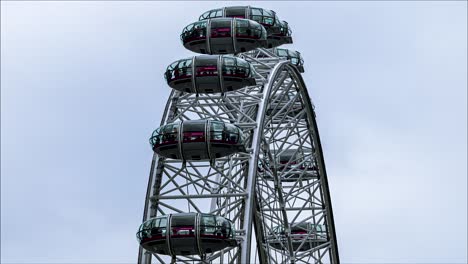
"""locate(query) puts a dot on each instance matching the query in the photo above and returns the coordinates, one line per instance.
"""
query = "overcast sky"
(82, 88)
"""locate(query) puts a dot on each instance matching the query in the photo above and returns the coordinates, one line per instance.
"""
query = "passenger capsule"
(292, 165)
(266, 18)
(213, 74)
(284, 103)
(283, 37)
(186, 234)
(313, 235)
(197, 140)
(293, 56)
(223, 36)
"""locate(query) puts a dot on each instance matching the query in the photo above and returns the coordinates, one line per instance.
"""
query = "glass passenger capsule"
(213, 74)
(293, 165)
(282, 103)
(197, 140)
(266, 18)
(293, 56)
(223, 36)
(304, 236)
(283, 37)
(186, 234)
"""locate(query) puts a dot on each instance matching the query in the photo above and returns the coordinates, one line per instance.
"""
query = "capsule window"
(188, 28)
(229, 66)
(194, 31)
(144, 234)
(204, 15)
(263, 16)
(268, 13)
(156, 137)
(216, 132)
(320, 228)
(199, 25)
(268, 18)
(250, 29)
(170, 133)
(170, 71)
(162, 226)
(166, 134)
(167, 128)
(277, 230)
(223, 227)
(232, 134)
(277, 21)
(229, 61)
(179, 70)
(155, 222)
(241, 68)
(257, 18)
(256, 11)
(283, 29)
(242, 28)
(200, 29)
(157, 229)
(242, 63)
(183, 69)
(282, 52)
(185, 63)
(208, 225)
(173, 65)
(216, 13)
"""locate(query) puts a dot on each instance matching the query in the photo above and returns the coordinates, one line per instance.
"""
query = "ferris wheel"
(238, 174)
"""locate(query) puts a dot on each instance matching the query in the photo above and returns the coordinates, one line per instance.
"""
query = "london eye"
(238, 174)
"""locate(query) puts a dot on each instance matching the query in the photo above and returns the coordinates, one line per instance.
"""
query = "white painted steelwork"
(253, 189)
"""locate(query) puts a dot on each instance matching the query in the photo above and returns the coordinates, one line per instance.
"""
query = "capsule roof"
(301, 227)
(197, 140)
(304, 236)
(265, 17)
(210, 74)
(291, 165)
(223, 36)
(186, 234)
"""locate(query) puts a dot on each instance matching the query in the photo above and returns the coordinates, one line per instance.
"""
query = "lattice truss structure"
(268, 200)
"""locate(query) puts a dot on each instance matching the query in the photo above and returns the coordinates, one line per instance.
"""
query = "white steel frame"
(249, 188)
